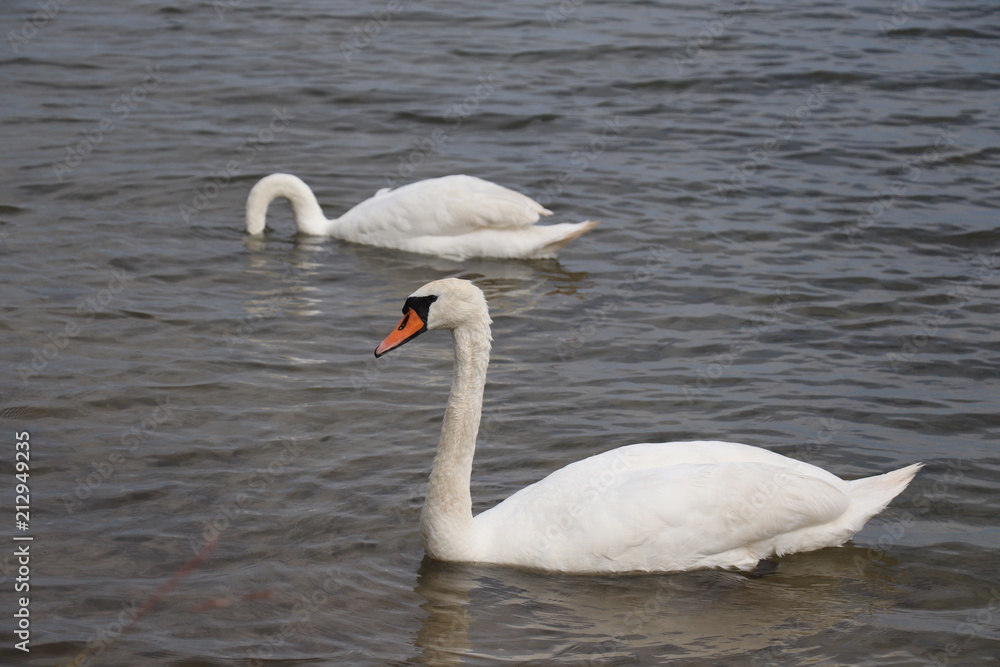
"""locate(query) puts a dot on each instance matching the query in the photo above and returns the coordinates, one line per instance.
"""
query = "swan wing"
(446, 206)
(603, 515)
(700, 514)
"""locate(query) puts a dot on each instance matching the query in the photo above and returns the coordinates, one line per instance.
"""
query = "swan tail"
(575, 231)
(871, 495)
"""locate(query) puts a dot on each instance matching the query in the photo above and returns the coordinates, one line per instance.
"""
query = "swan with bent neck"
(456, 217)
(651, 507)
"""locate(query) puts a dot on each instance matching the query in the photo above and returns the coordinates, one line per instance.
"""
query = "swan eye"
(418, 306)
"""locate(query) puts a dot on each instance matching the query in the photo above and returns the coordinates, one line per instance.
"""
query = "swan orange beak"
(409, 328)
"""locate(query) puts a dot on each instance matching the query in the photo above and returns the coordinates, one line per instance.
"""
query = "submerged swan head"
(451, 303)
(309, 218)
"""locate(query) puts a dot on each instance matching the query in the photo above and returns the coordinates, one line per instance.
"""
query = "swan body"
(455, 217)
(651, 507)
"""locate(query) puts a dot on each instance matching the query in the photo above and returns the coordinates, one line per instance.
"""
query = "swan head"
(451, 303)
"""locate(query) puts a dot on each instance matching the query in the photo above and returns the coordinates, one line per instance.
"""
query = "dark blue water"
(798, 250)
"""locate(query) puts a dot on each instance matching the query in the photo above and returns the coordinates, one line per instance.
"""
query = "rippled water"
(798, 250)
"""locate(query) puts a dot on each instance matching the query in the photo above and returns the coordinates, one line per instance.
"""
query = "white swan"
(654, 507)
(455, 217)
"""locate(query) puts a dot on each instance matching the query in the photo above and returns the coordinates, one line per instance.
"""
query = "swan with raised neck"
(650, 507)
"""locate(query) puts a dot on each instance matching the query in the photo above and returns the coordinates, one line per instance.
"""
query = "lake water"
(797, 250)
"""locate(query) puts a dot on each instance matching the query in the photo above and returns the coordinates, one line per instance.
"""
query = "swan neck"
(446, 521)
(308, 215)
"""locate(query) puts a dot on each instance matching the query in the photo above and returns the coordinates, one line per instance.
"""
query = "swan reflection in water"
(501, 613)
